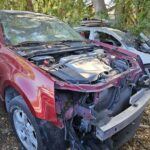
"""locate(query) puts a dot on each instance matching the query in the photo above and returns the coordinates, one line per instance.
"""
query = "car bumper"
(138, 103)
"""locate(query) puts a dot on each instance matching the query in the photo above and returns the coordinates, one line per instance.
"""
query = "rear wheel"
(33, 133)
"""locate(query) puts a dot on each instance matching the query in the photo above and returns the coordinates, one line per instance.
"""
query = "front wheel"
(31, 132)
(147, 66)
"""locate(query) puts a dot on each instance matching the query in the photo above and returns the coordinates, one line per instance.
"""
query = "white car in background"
(120, 39)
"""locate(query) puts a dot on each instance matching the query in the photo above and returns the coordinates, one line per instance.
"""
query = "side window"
(85, 34)
(107, 38)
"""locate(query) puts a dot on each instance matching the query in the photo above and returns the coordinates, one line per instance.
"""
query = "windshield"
(28, 27)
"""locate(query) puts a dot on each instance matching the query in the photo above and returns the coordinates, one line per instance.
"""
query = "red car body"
(40, 88)
(37, 87)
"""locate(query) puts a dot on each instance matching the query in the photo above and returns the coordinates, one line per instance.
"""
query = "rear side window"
(85, 34)
(107, 38)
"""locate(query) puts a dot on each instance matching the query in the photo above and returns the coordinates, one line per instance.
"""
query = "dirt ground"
(141, 141)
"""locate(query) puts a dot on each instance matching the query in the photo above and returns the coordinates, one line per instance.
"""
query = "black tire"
(147, 66)
(48, 136)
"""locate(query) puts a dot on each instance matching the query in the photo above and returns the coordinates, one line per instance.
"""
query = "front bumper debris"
(138, 103)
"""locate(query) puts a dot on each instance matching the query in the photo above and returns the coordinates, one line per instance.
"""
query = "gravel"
(7, 138)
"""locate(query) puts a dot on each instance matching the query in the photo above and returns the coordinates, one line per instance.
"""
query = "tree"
(100, 9)
(71, 11)
(133, 15)
(29, 5)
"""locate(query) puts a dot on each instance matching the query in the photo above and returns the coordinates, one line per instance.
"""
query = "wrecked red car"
(61, 91)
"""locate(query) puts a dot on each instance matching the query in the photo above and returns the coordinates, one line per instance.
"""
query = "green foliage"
(71, 11)
(13, 4)
(102, 15)
(133, 15)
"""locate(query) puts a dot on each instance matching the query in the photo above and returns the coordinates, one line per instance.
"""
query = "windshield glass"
(20, 28)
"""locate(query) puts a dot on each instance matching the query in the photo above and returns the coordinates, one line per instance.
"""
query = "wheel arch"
(40, 101)
(10, 91)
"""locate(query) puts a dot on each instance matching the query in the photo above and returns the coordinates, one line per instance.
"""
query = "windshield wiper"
(27, 43)
(63, 41)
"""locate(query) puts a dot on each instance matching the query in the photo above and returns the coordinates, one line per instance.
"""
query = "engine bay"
(90, 67)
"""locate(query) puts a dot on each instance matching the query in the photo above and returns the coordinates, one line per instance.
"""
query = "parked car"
(61, 91)
(118, 38)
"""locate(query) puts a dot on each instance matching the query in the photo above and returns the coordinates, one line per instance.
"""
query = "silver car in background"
(119, 38)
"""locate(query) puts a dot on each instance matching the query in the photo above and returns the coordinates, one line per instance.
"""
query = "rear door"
(85, 33)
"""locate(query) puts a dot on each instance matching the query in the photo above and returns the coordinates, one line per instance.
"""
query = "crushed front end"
(98, 92)
(103, 111)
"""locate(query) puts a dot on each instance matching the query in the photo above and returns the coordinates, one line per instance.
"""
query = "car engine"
(90, 67)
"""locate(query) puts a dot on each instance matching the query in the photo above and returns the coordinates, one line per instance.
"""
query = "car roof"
(103, 29)
(96, 28)
(18, 12)
(5, 13)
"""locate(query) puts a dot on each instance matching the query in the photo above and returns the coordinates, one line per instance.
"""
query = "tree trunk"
(30, 5)
(99, 6)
